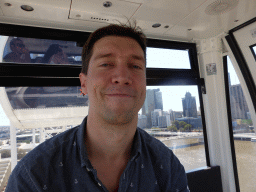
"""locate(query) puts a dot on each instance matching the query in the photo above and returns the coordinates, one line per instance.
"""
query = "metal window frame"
(17, 74)
(243, 66)
(231, 136)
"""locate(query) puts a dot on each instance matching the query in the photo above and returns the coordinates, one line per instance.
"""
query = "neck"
(109, 141)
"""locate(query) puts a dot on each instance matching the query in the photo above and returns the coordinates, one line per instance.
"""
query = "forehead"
(115, 43)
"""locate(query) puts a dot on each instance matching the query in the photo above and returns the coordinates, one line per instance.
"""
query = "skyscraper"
(153, 101)
(189, 106)
(154, 117)
(158, 99)
(239, 107)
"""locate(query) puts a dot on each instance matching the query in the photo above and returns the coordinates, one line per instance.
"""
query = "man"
(107, 152)
(19, 54)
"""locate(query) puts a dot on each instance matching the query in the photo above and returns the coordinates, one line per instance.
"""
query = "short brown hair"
(111, 30)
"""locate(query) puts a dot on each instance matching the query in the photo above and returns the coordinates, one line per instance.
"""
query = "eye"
(136, 66)
(105, 64)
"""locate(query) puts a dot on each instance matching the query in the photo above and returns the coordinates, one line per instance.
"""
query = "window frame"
(20, 74)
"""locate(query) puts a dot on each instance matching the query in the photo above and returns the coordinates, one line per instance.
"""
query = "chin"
(119, 118)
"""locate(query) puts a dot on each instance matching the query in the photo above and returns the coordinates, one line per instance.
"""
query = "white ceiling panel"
(119, 11)
(43, 10)
(203, 25)
(164, 12)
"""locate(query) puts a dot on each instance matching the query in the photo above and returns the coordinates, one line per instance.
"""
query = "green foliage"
(176, 123)
(172, 128)
(247, 121)
(187, 127)
(182, 124)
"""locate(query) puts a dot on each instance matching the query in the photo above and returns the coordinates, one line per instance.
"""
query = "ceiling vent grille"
(221, 6)
(99, 19)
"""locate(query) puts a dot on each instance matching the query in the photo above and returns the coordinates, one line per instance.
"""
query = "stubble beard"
(118, 118)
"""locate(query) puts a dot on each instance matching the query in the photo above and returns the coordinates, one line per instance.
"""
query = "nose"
(122, 76)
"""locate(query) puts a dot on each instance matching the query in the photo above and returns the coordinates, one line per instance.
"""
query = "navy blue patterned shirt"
(61, 164)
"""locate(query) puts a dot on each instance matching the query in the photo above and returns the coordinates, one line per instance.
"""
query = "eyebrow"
(136, 57)
(100, 56)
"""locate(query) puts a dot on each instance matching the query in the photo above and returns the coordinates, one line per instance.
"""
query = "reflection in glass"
(45, 97)
(30, 50)
(244, 133)
(172, 115)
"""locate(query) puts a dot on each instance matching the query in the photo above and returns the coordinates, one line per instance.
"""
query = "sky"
(172, 95)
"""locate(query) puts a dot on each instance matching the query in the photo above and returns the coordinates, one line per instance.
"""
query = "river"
(194, 157)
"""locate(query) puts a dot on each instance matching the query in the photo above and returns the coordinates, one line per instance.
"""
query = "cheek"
(95, 85)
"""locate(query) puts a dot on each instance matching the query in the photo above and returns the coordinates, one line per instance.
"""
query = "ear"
(83, 81)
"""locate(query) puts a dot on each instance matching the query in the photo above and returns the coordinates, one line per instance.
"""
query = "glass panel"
(244, 133)
(167, 58)
(172, 115)
(254, 50)
(45, 97)
(4, 135)
(30, 50)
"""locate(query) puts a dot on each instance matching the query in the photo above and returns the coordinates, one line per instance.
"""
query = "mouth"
(119, 95)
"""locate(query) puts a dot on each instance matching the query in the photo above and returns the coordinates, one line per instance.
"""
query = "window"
(172, 115)
(171, 112)
(244, 133)
(164, 58)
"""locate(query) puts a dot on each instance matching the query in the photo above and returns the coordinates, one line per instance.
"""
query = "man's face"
(116, 79)
(17, 46)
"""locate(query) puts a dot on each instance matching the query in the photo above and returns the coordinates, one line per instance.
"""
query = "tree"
(172, 128)
(176, 123)
(187, 127)
(182, 124)
(247, 121)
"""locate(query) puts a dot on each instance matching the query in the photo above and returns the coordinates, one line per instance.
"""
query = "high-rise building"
(189, 105)
(142, 121)
(239, 107)
(164, 121)
(154, 117)
(158, 99)
(153, 101)
(175, 114)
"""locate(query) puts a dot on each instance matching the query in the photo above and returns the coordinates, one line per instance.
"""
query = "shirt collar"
(136, 147)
